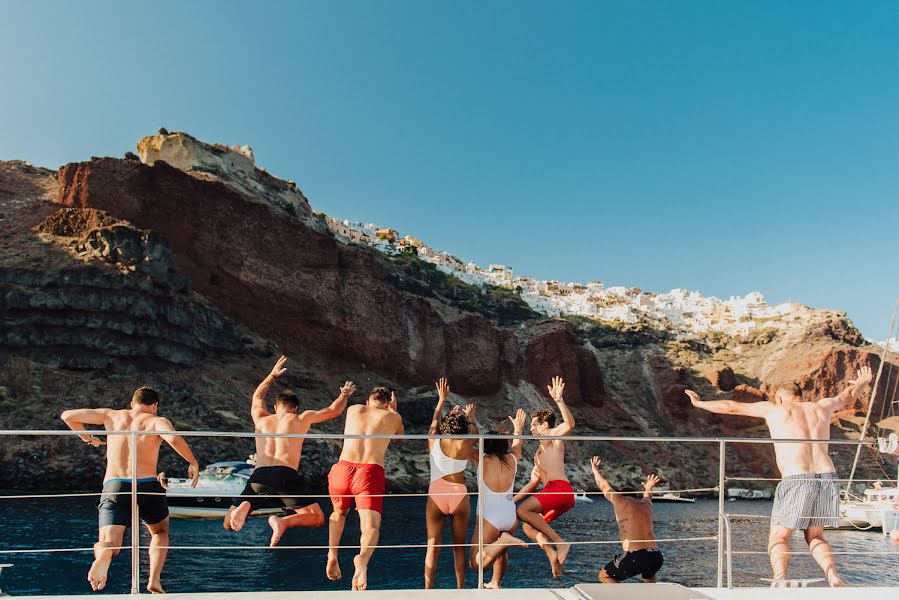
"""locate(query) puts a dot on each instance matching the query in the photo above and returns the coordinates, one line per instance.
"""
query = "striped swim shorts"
(808, 500)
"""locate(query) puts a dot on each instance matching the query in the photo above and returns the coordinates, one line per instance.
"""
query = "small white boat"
(746, 494)
(582, 496)
(878, 506)
(218, 483)
(672, 497)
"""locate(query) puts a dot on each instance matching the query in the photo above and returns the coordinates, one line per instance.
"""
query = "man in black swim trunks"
(115, 503)
(277, 459)
(634, 515)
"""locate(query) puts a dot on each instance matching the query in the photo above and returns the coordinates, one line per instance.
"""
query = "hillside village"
(678, 311)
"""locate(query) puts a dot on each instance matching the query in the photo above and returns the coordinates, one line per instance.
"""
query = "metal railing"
(725, 552)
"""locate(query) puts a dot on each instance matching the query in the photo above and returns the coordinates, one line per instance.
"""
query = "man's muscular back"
(280, 451)
(550, 461)
(118, 447)
(801, 420)
(634, 518)
(365, 419)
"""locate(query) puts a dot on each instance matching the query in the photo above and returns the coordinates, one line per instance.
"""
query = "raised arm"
(555, 392)
(651, 481)
(78, 417)
(517, 428)
(392, 407)
(333, 410)
(729, 407)
(607, 490)
(258, 408)
(472, 422)
(443, 391)
(525, 491)
(862, 378)
(180, 446)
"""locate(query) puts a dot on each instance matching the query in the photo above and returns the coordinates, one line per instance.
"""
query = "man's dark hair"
(145, 395)
(455, 423)
(545, 415)
(288, 399)
(380, 394)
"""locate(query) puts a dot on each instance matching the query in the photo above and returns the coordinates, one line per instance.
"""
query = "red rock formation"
(723, 378)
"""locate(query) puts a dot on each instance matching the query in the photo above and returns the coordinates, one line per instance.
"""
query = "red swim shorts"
(364, 482)
(556, 498)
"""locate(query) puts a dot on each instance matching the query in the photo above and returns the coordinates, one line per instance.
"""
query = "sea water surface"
(72, 522)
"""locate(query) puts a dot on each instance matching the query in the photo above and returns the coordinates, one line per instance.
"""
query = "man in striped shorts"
(808, 496)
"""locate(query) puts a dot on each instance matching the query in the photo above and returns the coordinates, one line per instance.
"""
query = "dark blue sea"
(73, 523)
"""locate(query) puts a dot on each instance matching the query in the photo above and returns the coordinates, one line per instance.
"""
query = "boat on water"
(735, 493)
(582, 496)
(218, 483)
(879, 509)
(670, 496)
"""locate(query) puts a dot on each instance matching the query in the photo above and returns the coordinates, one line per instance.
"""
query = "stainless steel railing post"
(135, 520)
(480, 512)
(722, 447)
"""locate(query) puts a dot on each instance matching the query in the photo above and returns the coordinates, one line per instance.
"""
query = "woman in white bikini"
(498, 470)
(447, 494)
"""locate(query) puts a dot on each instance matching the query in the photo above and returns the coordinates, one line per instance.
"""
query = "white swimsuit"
(498, 508)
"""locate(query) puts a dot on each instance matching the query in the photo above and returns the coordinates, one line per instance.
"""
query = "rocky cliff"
(191, 269)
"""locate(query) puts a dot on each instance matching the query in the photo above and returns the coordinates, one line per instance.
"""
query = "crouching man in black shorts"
(634, 516)
(278, 458)
(115, 502)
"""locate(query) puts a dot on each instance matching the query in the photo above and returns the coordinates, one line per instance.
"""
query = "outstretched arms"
(469, 411)
(258, 409)
(180, 446)
(555, 392)
(443, 391)
(76, 419)
(862, 378)
(729, 407)
(651, 481)
(517, 428)
(607, 490)
(333, 410)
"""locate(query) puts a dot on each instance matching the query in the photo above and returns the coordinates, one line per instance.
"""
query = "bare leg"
(500, 566)
(779, 550)
(237, 516)
(159, 539)
(370, 526)
(496, 544)
(108, 542)
(308, 516)
(434, 519)
(820, 550)
(335, 532)
(529, 512)
(605, 578)
(459, 529)
(543, 542)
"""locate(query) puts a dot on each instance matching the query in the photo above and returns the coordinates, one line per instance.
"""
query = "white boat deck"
(593, 591)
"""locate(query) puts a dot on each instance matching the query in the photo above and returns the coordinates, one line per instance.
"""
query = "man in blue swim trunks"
(115, 503)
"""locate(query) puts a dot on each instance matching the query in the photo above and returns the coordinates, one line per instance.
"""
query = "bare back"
(634, 518)
(363, 419)
(280, 452)
(118, 447)
(801, 420)
(550, 461)
(499, 474)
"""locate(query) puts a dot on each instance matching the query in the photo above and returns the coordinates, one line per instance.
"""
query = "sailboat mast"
(858, 449)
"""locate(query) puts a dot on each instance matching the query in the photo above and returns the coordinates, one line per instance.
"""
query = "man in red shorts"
(557, 496)
(359, 475)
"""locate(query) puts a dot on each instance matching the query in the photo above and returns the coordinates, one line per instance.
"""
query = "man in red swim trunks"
(557, 496)
(359, 475)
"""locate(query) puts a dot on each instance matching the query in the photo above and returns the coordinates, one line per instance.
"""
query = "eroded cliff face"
(194, 272)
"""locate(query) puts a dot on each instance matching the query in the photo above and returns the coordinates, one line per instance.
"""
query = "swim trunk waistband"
(828, 475)
(128, 479)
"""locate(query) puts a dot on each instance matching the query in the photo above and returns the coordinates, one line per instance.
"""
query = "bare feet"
(239, 516)
(332, 570)
(507, 539)
(554, 563)
(155, 588)
(278, 530)
(562, 549)
(834, 580)
(97, 574)
(491, 585)
(360, 577)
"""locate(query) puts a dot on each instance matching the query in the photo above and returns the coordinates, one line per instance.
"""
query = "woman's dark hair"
(498, 448)
(454, 423)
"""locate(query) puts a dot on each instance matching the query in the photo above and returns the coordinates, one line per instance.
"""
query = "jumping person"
(808, 495)
(496, 506)
(557, 496)
(447, 494)
(634, 516)
(115, 503)
(359, 475)
(278, 459)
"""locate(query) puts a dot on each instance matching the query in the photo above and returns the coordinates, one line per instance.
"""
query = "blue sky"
(720, 146)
